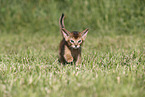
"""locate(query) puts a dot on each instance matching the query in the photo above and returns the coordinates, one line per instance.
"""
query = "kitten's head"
(74, 39)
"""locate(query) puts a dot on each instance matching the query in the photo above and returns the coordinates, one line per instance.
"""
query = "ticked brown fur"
(70, 46)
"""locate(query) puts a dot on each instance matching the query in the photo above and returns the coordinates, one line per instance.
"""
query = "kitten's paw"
(70, 59)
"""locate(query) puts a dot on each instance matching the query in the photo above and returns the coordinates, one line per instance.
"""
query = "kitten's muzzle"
(76, 46)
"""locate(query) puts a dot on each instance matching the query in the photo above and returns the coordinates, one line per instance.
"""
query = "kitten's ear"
(84, 33)
(65, 33)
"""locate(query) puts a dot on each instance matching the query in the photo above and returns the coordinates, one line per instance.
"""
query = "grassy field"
(113, 56)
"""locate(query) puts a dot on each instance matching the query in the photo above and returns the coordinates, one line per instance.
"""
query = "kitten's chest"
(75, 52)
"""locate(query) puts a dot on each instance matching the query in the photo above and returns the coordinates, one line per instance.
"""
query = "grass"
(113, 67)
(113, 56)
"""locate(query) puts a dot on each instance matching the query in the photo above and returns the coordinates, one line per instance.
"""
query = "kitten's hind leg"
(61, 60)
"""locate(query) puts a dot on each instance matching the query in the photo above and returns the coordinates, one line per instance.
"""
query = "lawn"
(113, 55)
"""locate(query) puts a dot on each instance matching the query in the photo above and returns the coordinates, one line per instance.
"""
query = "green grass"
(113, 56)
(112, 66)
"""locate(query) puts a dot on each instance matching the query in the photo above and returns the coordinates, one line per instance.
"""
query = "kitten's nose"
(75, 45)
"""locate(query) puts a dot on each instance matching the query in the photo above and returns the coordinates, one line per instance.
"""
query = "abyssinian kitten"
(70, 46)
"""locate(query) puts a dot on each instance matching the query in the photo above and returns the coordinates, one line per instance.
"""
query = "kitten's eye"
(72, 41)
(79, 41)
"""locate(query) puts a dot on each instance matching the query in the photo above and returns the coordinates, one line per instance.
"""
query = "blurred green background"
(100, 16)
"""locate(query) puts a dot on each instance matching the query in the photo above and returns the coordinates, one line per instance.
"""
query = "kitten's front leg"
(78, 62)
(68, 58)
(67, 55)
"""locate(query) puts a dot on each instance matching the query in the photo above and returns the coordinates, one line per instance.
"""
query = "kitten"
(70, 46)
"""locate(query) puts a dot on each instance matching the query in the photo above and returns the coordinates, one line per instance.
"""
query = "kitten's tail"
(61, 21)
